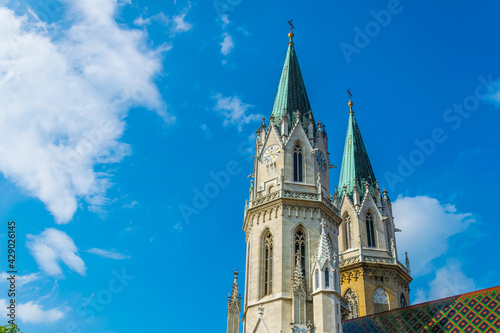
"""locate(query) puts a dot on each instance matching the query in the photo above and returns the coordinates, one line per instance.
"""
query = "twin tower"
(315, 257)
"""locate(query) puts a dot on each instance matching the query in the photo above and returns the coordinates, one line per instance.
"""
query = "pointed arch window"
(370, 232)
(327, 278)
(348, 233)
(380, 300)
(316, 279)
(300, 247)
(402, 301)
(352, 299)
(268, 263)
(297, 163)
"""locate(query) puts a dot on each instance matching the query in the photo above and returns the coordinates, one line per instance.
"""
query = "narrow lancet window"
(297, 164)
(300, 247)
(348, 233)
(327, 278)
(268, 263)
(370, 232)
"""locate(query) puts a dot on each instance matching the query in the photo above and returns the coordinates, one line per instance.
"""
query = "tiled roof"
(355, 161)
(478, 311)
(291, 95)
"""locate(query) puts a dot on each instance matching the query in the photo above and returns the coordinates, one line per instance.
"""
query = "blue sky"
(115, 114)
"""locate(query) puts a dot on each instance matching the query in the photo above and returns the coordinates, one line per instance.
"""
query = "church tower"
(290, 221)
(372, 278)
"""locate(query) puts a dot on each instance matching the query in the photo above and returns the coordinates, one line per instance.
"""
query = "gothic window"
(370, 232)
(402, 301)
(297, 164)
(352, 298)
(380, 300)
(316, 279)
(300, 247)
(268, 263)
(348, 233)
(327, 278)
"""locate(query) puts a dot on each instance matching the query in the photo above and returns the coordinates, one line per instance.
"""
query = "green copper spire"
(291, 95)
(355, 162)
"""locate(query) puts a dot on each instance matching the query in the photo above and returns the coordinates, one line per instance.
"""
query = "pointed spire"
(356, 166)
(298, 281)
(324, 251)
(407, 261)
(291, 95)
(234, 297)
(233, 307)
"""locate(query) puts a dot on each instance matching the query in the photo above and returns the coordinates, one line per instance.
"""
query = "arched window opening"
(370, 232)
(297, 164)
(327, 278)
(402, 301)
(380, 300)
(348, 233)
(268, 263)
(316, 280)
(300, 247)
(352, 298)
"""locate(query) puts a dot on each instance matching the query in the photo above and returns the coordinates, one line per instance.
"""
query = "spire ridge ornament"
(350, 102)
(290, 34)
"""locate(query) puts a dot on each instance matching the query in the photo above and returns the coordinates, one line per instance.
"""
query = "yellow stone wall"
(365, 278)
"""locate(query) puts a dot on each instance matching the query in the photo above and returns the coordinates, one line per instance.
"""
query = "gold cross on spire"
(350, 102)
(290, 35)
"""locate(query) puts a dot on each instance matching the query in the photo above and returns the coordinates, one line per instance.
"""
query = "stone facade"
(306, 248)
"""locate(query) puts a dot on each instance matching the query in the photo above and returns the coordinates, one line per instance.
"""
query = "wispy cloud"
(180, 24)
(225, 20)
(421, 219)
(52, 247)
(57, 133)
(234, 111)
(449, 281)
(206, 131)
(33, 312)
(108, 254)
(226, 44)
(21, 280)
(160, 18)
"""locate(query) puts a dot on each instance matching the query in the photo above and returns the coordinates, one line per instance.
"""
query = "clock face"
(321, 160)
(271, 154)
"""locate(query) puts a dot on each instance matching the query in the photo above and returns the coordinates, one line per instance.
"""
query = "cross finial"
(350, 102)
(290, 34)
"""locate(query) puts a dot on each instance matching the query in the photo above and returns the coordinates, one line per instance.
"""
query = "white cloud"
(53, 246)
(160, 18)
(226, 44)
(225, 20)
(65, 92)
(180, 24)
(234, 110)
(21, 280)
(140, 21)
(426, 225)
(33, 312)
(108, 254)
(449, 281)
